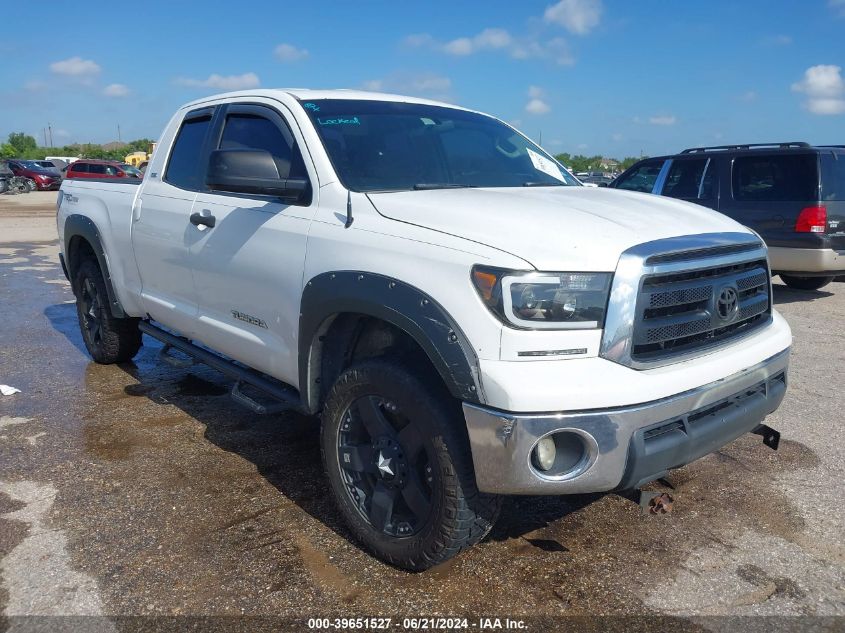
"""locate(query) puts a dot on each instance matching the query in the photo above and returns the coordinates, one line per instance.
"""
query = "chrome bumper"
(502, 442)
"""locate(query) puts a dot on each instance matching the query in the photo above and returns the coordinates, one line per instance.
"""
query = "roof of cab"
(305, 94)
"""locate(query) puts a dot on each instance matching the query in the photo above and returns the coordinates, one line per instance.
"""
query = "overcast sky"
(609, 77)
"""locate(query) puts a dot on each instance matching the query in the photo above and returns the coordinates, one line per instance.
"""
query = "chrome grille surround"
(663, 301)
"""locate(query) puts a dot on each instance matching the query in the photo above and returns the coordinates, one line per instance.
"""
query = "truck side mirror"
(252, 172)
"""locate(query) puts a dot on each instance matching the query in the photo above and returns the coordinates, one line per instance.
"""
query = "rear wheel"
(107, 339)
(806, 283)
(399, 463)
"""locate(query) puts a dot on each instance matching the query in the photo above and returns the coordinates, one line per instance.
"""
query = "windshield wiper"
(420, 186)
(544, 184)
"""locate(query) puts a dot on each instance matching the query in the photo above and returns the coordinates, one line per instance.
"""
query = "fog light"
(545, 453)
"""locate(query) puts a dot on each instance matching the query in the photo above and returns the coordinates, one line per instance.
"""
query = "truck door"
(161, 225)
(694, 180)
(248, 267)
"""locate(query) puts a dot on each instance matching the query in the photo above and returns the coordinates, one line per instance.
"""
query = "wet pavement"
(142, 489)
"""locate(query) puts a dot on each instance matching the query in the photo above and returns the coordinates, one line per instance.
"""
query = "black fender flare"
(77, 225)
(395, 302)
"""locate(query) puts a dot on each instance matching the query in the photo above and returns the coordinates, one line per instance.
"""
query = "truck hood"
(554, 228)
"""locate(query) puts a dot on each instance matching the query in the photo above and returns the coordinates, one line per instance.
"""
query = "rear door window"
(183, 168)
(641, 178)
(96, 168)
(685, 177)
(776, 178)
(833, 176)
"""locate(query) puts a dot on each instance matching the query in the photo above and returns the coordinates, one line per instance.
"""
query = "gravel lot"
(143, 490)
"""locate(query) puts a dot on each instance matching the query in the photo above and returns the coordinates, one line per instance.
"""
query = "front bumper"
(815, 261)
(627, 446)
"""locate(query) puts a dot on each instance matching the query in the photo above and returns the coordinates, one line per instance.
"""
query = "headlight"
(551, 301)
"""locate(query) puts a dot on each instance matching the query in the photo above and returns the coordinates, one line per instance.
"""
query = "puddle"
(37, 573)
(138, 390)
(193, 385)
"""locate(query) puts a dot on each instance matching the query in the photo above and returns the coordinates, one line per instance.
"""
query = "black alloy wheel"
(91, 312)
(386, 469)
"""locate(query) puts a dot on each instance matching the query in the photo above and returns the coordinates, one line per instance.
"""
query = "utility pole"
(50, 130)
(44, 129)
(118, 134)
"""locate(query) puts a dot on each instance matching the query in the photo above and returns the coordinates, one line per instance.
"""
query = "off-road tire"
(806, 283)
(113, 340)
(460, 515)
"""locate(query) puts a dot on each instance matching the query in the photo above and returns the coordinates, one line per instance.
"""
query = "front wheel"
(398, 459)
(806, 283)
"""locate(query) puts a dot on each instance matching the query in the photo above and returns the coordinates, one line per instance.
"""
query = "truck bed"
(108, 203)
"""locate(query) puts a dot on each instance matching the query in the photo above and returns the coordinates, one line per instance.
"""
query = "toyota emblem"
(727, 303)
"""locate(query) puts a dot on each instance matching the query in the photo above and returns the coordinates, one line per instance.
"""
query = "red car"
(45, 179)
(87, 168)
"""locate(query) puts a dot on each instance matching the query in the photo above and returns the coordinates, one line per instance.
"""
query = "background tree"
(579, 162)
(24, 144)
(89, 150)
(628, 161)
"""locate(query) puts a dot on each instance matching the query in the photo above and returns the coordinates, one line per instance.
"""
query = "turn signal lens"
(485, 282)
(812, 220)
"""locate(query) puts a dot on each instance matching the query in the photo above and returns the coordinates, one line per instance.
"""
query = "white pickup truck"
(467, 320)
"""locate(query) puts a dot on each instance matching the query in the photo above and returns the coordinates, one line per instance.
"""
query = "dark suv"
(792, 194)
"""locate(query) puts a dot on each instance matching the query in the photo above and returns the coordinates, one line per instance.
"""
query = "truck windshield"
(390, 146)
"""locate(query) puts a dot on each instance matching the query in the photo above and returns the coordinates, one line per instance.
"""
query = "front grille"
(700, 253)
(684, 311)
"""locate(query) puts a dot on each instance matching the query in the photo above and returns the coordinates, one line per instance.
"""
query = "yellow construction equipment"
(136, 158)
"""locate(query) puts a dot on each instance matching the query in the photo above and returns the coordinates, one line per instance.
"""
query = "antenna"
(349, 218)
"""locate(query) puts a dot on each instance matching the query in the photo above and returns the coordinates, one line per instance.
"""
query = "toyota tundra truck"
(465, 320)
